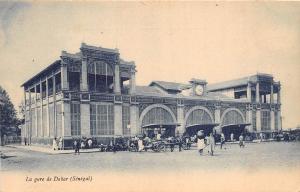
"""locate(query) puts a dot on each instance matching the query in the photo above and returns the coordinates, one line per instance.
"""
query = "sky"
(170, 41)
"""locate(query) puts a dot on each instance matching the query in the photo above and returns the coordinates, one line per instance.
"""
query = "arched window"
(198, 116)
(232, 118)
(100, 77)
(157, 115)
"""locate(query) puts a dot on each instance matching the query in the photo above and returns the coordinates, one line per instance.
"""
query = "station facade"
(93, 94)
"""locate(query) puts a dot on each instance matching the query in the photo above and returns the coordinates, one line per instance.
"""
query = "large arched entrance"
(233, 122)
(198, 118)
(158, 119)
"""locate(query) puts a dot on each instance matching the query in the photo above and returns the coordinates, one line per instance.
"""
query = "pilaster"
(41, 110)
(48, 111)
(54, 107)
(66, 119)
(272, 94)
(132, 82)
(279, 120)
(272, 117)
(257, 93)
(249, 118)
(249, 95)
(258, 119)
(36, 113)
(180, 118)
(134, 119)
(64, 76)
(279, 94)
(117, 88)
(30, 123)
(84, 82)
(218, 119)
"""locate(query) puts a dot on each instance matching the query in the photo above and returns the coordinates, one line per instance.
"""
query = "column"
(118, 119)
(257, 93)
(30, 119)
(64, 76)
(180, 118)
(249, 118)
(258, 120)
(265, 98)
(36, 112)
(24, 131)
(278, 94)
(117, 88)
(279, 120)
(272, 118)
(272, 94)
(249, 95)
(132, 82)
(54, 107)
(134, 119)
(85, 119)
(218, 119)
(48, 111)
(41, 105)
(84, 82)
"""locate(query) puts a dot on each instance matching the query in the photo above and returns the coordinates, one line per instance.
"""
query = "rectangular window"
(126, 119)
(75, 119)
(265, 120)
(101, 119)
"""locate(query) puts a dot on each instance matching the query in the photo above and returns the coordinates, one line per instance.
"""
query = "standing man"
(200, 143)
(179, 140)
(232, 137)
(241, 141)
(222, 140)
(211, 144)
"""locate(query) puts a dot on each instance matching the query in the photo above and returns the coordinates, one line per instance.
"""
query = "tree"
(8, 117)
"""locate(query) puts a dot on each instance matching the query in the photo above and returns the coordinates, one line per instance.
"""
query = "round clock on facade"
(199, 90)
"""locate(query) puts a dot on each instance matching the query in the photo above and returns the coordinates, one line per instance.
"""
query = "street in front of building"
(255, 156)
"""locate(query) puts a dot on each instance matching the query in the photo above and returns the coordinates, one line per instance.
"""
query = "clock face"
(199, 90)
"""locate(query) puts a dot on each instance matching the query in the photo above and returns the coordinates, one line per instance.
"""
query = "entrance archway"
(233, 122)
(199, 118)
(158, 118)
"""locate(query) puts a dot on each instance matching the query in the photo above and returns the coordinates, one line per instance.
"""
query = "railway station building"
(93, 94)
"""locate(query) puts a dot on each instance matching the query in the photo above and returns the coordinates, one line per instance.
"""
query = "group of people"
(140, 143)
(209, 142)
(203, 142)
(57, 143)
(82, 144)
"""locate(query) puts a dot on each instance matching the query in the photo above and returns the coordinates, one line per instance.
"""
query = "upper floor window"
(100, 77)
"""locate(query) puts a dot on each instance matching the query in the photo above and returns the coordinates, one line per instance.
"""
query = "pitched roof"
(170, 85)
(240, 82)
(85, 46)
(43, 72)
(228, 84)
(150, 91)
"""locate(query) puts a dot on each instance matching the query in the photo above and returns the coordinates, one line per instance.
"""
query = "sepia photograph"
(149, 96)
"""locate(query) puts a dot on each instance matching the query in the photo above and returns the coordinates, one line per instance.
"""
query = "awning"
(241, 125)
(209, 125)
(161, 125)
